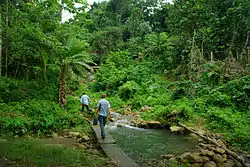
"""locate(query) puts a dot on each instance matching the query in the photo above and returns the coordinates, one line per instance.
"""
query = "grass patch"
(30, 151)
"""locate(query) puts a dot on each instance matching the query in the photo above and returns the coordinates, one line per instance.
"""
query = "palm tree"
(74, 56)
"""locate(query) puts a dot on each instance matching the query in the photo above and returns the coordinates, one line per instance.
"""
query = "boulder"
(4, 162)
(177, 130)
(80, 146)
(143, 109)
(142, 124)
(218, 158)
(210, 147)
(229, 163)
(119, 125)
(205, 159)
(210, 164)
(85, 138)
(137, 115)
(196, 165)
(173, 113)
(173, 160)
(219, 150)
(74, 134)
(54, 135)
(224, 156)
(194, 158)
(112, 119)
(206, 152)
(201, 140)
(167, 156)
(132, 123)
(182, 157)
(153, 124)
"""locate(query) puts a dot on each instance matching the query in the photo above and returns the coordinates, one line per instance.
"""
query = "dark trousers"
(102, 120)
(87, 107)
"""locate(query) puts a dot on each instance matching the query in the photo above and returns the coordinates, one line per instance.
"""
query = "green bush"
(239, 91)
(36, 116)
(218, 98)
(109, 78)
(128, 90)
(12, 90)
(158, 113)
(234, 125)
(115, 101)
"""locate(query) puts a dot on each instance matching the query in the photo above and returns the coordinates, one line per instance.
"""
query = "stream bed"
(145, 145)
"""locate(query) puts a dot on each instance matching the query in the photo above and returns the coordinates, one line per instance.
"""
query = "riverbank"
(165, 146)
(63, 149)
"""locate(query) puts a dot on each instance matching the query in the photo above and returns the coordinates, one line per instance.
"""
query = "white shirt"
(85, 100)
(103, 106)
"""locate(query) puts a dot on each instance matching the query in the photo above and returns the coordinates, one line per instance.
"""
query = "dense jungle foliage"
(189, 56)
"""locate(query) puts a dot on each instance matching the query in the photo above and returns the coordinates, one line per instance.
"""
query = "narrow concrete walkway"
(112, 150)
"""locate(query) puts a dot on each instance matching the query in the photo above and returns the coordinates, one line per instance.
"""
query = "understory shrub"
(234, 125)
(239, 91)
(36, 116)
(128, 90)
(12, 90)
(218, 98)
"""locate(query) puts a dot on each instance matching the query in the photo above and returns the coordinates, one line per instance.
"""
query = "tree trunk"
(62, 87)
(0, 43)
(6, 46)
(45, 78)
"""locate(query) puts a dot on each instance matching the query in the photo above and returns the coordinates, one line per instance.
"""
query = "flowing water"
(149, 144)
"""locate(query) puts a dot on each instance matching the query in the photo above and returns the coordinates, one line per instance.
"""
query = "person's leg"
(104, 121)
(87, 107)
(101, 120)
(82, 107)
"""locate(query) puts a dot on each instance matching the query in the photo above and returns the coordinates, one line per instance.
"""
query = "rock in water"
(112, 119)
(177, 130)
(119, 125)
(153, 124)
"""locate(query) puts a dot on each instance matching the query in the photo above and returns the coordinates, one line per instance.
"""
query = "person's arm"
(81, 101)
(98, 108)
(90, 102)
(109, 110)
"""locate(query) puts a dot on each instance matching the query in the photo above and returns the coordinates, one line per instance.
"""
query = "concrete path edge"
(112, 150)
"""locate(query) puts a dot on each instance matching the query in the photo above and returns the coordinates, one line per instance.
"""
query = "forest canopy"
(191, 56)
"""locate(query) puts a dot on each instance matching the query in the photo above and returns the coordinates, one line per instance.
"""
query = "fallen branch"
(222, 146)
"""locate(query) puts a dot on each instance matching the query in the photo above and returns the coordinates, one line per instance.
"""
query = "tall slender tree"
(74, 56)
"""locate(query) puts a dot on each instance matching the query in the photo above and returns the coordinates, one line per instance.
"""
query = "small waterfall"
(121, 121)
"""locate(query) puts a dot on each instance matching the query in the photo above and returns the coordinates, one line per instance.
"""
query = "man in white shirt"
(103, 110)
(85, 100)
